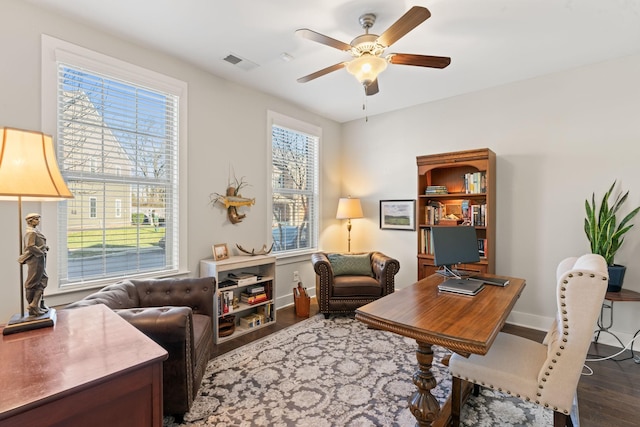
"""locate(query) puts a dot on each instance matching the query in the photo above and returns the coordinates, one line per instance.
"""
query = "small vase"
(616, 277)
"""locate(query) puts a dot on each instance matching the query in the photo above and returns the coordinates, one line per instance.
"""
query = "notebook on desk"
(461, 286)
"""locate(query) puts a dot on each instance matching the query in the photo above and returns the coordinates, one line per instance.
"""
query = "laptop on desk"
(461, 286)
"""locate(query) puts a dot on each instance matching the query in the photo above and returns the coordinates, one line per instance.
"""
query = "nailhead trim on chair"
(188, 351)
(547, 373)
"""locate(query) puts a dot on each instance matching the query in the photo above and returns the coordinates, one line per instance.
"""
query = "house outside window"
(294, 149)
(110, 120)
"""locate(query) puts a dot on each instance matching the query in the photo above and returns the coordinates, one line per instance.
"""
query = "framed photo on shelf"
(220, 251)
(398, 214)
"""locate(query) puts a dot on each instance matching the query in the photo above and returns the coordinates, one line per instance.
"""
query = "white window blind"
(294, 183)
(117, 148)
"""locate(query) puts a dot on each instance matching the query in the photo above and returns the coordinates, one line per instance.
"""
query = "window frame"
(277, 119)
(55, 50)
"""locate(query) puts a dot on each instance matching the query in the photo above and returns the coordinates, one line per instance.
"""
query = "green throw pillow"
(350, 265)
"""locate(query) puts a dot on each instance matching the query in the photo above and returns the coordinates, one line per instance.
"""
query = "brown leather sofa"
(342, 291)
(178, 315)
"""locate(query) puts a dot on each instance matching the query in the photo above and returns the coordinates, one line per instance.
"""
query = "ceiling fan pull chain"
(364, 104)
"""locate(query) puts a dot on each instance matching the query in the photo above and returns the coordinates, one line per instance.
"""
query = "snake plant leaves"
(600, 225)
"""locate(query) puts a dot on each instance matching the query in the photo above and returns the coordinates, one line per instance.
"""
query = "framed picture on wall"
(220, 251)
(398, 214)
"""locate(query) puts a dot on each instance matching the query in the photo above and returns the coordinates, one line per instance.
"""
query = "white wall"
(557, 139)
(226, 122)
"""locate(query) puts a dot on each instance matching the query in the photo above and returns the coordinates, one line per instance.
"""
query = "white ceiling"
(490, 42)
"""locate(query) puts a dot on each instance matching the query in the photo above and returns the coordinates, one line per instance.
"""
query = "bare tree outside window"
(294, 189)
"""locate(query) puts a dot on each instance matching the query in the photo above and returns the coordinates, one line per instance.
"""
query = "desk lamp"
(349, 209)
(28, 171)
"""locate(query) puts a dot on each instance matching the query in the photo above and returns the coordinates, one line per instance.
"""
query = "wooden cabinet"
(247, 317)
(457, 188)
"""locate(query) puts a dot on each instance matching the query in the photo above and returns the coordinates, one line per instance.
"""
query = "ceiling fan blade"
(321, 38)
(322, 72)
(407, 22)
(419, 60)
(372, 88)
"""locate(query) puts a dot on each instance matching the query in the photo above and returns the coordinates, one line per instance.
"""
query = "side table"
(625, 295)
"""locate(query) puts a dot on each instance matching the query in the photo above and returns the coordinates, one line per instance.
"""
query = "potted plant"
(606, 235)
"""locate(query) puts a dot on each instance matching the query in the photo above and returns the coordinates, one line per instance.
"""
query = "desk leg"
(422, 403)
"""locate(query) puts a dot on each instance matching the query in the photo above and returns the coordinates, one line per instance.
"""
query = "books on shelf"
(433, 212)
(475, 183)
(478, 215)
(256, 289)
(226, 302)
(438, 213)
(426, 244)
(242, 279)
(436, 189)
(483, 248)
(465, 211)
(253, 298)
(266, 311)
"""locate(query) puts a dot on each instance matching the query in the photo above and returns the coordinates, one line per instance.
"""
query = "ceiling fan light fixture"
(366, 68)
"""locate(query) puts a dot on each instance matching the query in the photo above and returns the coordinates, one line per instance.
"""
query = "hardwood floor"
(608, 398)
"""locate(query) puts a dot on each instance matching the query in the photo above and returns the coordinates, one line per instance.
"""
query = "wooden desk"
(91, 369)
(461, 323)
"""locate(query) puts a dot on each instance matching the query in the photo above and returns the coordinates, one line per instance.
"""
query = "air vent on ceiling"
(240, 62)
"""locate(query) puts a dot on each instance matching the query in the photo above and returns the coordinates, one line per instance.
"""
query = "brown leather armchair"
(178, 315)
(343, 291)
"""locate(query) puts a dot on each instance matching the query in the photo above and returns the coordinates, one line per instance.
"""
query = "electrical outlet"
(296, 276)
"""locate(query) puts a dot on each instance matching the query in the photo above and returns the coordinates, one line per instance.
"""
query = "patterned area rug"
(333, 372)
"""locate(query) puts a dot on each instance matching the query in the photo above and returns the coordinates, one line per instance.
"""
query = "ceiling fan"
(367, 49)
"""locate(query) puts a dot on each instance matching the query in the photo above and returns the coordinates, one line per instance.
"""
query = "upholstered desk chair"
(345, 282)
(548, 373)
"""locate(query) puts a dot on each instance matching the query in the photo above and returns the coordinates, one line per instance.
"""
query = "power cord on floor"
(636, 359)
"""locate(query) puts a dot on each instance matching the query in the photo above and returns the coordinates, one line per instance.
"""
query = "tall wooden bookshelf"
(457, 189)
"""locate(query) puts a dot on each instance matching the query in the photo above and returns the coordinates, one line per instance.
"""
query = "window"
(93, 207)
(118, 210)
(294, 184)
(118, 142)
